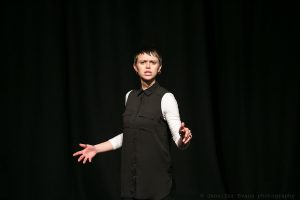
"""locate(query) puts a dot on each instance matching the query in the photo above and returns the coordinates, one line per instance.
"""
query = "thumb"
(182, 125)
(83, 145)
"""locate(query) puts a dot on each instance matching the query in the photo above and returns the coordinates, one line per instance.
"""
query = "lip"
(148, 73)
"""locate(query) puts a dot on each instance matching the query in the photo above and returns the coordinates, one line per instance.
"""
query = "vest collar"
(149, 90)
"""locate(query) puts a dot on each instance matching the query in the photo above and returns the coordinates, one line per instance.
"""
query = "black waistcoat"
(146, 171)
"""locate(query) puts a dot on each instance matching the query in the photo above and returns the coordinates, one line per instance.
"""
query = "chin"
(148, 78)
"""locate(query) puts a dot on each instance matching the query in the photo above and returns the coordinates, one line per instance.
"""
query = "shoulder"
(169, 104)
(127, 94)
(168, 97)
(161, 91)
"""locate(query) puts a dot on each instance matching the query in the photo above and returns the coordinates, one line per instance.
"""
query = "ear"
(159, 69)
(135, 68)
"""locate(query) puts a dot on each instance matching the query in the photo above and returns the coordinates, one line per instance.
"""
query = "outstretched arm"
(89, 151)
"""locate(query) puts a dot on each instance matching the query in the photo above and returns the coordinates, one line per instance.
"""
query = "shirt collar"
(149, 90)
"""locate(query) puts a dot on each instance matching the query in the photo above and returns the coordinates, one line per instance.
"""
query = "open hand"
(87, 153)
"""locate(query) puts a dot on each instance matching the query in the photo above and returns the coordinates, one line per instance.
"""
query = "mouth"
(148, 73)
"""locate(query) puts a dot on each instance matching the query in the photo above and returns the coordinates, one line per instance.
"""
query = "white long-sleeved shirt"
(169, 108)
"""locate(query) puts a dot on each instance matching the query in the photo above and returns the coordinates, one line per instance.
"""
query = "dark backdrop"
(230, 64)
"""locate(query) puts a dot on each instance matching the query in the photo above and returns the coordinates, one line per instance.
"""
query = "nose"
(148, 65)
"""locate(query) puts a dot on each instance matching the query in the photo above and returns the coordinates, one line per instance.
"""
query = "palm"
(87, 153)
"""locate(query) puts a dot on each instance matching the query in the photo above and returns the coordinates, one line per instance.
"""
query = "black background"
(232, 66)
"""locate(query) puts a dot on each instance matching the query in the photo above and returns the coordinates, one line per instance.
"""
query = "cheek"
(137, 68)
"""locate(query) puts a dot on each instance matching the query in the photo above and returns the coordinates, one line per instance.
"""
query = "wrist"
(97, 148)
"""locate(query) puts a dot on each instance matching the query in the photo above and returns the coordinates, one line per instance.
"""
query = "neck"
(146, 84)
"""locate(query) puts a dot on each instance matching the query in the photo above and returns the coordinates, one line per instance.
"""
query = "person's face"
(147, 66)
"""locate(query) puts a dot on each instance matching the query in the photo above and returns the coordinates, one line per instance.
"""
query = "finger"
(182, 129)
(187, 140)
(80, 158)
(184, 132)
(83, 145)
(85, 159)
(77, 153)
(90, 159)
(187, 130)
(187, 135)
(182, 125)
(184, 138)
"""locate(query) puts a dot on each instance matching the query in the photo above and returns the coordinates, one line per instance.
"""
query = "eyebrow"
(149, 60)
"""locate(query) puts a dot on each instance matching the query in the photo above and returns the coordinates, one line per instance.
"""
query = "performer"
(150, 121)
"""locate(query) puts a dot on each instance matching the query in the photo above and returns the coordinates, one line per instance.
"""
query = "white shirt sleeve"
(117, 141)
(170, 111)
